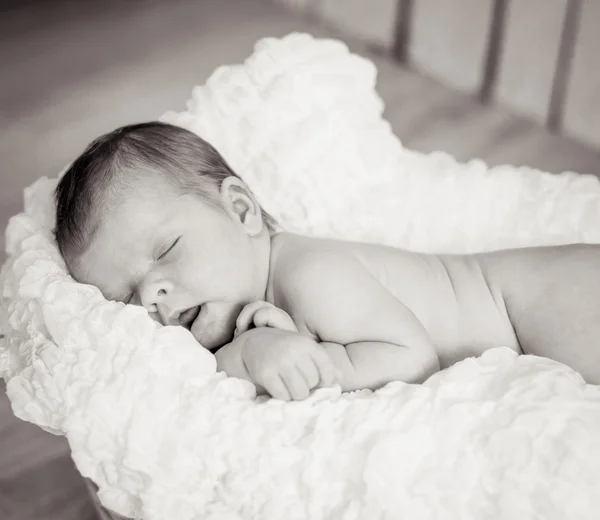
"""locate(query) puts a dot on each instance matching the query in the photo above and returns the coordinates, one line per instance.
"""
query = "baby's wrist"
(229, 360)
(341, 362)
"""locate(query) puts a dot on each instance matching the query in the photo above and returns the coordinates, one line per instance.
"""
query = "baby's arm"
(372, 337)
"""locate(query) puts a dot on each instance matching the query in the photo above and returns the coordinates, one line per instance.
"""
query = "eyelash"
(167, 251)
(130, 297)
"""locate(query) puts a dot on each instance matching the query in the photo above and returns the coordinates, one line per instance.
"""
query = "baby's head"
(152, 215)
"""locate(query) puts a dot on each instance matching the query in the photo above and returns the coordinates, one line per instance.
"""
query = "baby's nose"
(155, 293)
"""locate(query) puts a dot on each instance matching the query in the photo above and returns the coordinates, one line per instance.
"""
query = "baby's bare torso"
(530, 300)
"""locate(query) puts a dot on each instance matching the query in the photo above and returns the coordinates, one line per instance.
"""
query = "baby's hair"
(92, 183)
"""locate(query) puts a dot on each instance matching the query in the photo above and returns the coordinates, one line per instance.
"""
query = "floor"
(74, 69)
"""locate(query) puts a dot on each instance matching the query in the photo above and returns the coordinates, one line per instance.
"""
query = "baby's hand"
(286, 364)
(263, 314)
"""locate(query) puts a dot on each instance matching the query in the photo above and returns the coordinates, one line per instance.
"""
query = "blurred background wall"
(508, 81)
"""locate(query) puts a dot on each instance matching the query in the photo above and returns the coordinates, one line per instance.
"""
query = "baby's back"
(543, 301)
(449, 294)
(461, 308)
(553, 298)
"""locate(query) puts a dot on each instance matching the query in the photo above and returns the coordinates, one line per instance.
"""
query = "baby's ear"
(241, 205)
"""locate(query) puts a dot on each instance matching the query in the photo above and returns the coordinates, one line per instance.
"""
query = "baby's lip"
(187, 317)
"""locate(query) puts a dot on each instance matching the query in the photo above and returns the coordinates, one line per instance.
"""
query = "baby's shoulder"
(301, 264)
(294, 256)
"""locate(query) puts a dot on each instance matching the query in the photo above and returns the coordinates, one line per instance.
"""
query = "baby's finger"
(328, 372)
(295, 383)
(275, 318)
(276, 388)
(310, 373)
(245, 318)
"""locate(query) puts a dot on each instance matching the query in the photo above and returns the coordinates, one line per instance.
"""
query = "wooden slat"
(582, 107)
(493, 52)
(529, 58)
(564, 64)
(402, 31)
(449, 40)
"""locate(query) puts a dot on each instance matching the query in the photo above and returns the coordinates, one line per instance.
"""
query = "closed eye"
(168, 250)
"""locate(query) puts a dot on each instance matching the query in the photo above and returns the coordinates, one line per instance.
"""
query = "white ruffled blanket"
(164, 436)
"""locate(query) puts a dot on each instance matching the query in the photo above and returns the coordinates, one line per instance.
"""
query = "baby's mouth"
(188, 317)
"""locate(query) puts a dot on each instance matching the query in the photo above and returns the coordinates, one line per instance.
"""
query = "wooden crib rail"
(539, 58)
(556, 46)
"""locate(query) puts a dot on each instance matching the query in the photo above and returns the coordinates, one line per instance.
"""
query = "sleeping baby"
(152, 215)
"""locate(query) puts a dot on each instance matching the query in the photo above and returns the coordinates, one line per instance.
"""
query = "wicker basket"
(103, 513)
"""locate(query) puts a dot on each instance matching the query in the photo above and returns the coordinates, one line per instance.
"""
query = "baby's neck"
(274, 245)
(262, 253)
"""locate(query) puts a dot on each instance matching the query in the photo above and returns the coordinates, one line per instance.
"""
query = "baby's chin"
(211, 341)
(214, 326)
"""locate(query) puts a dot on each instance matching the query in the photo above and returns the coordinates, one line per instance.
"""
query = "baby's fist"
(286, 364)
(263, 314)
